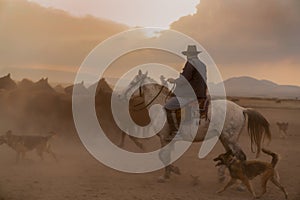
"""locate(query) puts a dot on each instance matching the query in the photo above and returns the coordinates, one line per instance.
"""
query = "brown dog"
(247, 170)
(283, 128)
(23, 144)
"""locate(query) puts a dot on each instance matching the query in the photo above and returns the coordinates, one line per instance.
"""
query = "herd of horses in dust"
(234, 159)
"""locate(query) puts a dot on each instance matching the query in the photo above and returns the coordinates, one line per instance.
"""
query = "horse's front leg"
(165, 157)
(136, 142)
(121, 143)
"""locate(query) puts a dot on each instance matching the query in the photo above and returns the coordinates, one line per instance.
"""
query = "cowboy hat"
(191, 50)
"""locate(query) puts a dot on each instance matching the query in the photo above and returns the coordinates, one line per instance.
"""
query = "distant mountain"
(251, 87)
(6, 83)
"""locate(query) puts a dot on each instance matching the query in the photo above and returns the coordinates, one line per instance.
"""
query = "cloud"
(252, 31)
(146, 13)
(37, 36)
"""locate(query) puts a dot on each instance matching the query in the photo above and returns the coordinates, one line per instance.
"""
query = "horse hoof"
(241, 188)
(176, 170)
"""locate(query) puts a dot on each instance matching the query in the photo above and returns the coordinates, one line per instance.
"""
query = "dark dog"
(2, 140)
(23, 144)
(247, 170)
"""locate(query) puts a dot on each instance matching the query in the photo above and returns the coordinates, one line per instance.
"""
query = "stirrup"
(178, 137)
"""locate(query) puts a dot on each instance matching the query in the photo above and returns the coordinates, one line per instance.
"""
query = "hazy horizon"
(111, 80)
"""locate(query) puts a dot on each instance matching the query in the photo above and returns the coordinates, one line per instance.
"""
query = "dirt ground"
(78, 176)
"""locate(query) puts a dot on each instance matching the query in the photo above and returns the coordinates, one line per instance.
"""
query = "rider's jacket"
(195, 73)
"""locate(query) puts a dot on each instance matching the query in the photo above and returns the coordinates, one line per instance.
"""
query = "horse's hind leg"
(165, 157)
(238, 152)
(168, 171)
(230, 143)
(222, 168)
(174, 169)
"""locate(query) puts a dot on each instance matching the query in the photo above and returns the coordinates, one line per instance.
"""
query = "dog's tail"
(258, 129)
(275, 157)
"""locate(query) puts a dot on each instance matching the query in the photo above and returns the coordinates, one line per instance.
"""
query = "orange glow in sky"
(144, 13)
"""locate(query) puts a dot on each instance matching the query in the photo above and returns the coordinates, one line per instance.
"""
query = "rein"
(171, 91)
(148, 104)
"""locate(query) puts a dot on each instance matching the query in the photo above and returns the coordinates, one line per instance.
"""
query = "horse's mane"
(156, 84)
(151, 79)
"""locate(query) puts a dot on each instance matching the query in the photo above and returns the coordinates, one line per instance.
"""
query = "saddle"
(187, 113)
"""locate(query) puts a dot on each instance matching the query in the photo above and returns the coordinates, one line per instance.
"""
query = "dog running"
(248, 170)
(23, 144)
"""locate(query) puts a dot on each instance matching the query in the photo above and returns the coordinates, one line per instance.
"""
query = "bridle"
(141, 94)
(140, 89)
(170, 92)
(150, 102)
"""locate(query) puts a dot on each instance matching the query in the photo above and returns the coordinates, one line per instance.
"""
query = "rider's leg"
(171, 106)
(172, 121)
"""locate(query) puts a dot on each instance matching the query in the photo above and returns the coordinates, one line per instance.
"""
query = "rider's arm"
(187, 74)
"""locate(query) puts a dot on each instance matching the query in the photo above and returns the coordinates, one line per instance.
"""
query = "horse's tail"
(258, 129)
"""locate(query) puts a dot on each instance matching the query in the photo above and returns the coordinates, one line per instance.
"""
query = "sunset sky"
(51, 38)
(133, 13)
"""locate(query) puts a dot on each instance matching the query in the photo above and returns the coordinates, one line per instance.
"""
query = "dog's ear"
(140, 73)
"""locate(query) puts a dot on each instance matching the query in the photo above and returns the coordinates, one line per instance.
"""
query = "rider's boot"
(173, 126)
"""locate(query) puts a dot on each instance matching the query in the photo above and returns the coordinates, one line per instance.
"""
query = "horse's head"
(145, 89)
(139, 80)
